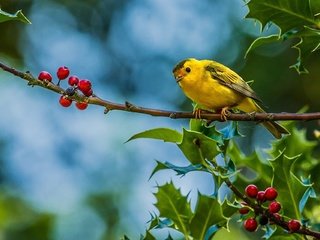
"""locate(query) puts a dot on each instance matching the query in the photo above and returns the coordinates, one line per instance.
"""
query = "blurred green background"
(67, 174)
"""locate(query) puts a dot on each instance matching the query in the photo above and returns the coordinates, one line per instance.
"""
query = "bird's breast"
(210, 94)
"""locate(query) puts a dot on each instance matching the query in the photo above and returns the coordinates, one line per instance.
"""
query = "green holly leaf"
(173, 205)
(308, 44)
(165, 134)
(231, 131)
(158, 223)
(287, 14)
(4, 16)
(262, 41)
(181, 171)
(209, 131)
(290, 188)
(296, 144)
(253, 168)
(295, 18)
(197, 147)
(208, 213)
(229, 208)
(268, 231)
(309, 193)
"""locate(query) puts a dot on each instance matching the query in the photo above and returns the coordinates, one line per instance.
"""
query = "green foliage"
(201, 223)
(296, 19)
(4, 16)
(283, 166)
(250, 167)
(165, 134)
(171, 204)
(18, 220)
(209, 212)
(197, 147)
(290, 188)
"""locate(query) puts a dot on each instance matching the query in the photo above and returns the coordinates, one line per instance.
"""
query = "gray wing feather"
(231, 79)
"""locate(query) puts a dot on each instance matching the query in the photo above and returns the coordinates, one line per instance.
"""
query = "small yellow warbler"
(215, 87)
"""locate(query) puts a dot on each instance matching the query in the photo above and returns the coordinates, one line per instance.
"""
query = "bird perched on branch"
(215, 87)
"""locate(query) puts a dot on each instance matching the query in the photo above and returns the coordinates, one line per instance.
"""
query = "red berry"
(274, 207)
(88, 93)
(251, 190)
(260, 197)
(73, 81)
(84, 85)
(62, 73)
(250, 224)
(244, 210)
(65, 101)
(294, 225)
(270, 194)
(45, 76)
(81, 105)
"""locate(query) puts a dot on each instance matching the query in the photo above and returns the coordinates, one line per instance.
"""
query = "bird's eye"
(188, 69)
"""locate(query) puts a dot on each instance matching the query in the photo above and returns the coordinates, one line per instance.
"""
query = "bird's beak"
(178, 78)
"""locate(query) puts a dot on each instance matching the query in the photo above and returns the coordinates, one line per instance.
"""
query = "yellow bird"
(215, 87)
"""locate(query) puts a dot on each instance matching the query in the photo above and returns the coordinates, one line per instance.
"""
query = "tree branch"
(108, 105)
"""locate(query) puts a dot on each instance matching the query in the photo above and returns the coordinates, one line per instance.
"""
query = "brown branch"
(108, 105)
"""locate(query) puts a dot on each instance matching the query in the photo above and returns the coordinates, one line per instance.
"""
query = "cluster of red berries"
(269, 194)
(84, 86)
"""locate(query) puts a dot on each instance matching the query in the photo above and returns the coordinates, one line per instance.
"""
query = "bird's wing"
(229, 78)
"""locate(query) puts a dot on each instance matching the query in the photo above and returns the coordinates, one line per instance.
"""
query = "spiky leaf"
(179, 170)
(208, 213)
(173, 205)
(4, 16)
(197, 147)
(210, 131)
(308, 44)
(262, 41)
(295, 18)
(290, 188)
(254, 168)
(165, 134)
(287, 14)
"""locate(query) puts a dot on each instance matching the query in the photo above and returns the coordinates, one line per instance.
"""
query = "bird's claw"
(225, 113)
(197, 113)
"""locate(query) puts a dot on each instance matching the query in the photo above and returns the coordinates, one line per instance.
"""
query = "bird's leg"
(197, 113)
(224, 113)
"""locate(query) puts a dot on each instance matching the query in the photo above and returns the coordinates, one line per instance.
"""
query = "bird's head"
(184, 68)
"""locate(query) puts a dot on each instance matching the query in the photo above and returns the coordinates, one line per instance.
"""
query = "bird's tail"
(249, 105)
(274, 128)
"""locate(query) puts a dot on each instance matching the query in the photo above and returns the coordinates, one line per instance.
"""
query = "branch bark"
(129, 107)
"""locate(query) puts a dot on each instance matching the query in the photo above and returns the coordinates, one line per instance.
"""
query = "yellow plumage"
(215, 87)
